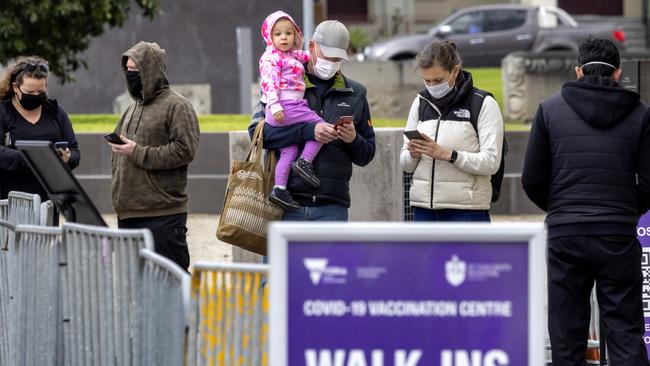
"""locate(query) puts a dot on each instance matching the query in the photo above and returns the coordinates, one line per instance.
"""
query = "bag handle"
(271, 161)
(257, 147)
(257, 143)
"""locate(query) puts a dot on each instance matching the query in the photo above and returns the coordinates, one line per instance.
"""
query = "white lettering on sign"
(497, 309)
(324, 357)
(404, 358)
(398, 308)
(324, 308)
(408, 308)
(642, 231)
(356, 357)
(495, 357)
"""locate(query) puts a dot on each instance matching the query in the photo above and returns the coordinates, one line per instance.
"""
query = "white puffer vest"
(466, 183)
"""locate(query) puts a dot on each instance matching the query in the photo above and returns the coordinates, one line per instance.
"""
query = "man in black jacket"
(331, 95)
(588, 166)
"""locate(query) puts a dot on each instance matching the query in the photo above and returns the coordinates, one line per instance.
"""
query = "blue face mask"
(439, 90)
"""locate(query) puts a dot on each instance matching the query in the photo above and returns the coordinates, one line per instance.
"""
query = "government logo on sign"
(320, 272)
(316, 267)
(455, 270)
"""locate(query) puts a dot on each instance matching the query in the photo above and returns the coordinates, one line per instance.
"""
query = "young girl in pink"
(282, 79)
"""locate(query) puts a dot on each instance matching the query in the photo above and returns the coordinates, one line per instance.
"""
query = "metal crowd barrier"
(4, 232)
(407, 179)
(46, 213)
(165, 303)
(4, 210)
(7, 231)
(18, 208)
(24, 208)
(102, 294)
(230, 322)
(34, 318)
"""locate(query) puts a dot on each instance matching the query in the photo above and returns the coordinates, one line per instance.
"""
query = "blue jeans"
(423, 214)
(332, 212)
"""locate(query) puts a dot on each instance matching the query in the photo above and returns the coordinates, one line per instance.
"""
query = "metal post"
(646, 21)
(308, 21)
(245, 63)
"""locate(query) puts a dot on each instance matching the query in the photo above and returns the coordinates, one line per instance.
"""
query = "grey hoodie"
(151, 182)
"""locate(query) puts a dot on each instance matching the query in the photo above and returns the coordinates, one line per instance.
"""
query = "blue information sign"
(407, 295)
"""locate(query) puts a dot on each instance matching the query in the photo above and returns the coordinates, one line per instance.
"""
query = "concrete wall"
(199, 37)
(376, 190)
(207, 177)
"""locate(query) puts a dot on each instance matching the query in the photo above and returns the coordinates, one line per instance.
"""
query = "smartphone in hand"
(61, 145)
(413, 135)
(114, 139)
(343, 120)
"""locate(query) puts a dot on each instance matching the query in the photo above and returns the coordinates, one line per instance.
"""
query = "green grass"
(484, 78)
(489, 78)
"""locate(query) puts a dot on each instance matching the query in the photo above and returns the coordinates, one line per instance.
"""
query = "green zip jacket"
(152, 181)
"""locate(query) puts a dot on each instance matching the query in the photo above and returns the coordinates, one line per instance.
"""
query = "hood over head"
(152, 64)
(270, 21)
(600, 101)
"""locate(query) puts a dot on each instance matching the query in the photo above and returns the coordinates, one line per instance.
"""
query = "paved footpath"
(204, 245)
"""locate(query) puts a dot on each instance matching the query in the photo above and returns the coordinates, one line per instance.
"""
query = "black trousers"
(168, 235)
(614, 262)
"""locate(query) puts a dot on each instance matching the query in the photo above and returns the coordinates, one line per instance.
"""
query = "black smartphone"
(343, 120)
(61, 145)
(413, 135)
(114, 139)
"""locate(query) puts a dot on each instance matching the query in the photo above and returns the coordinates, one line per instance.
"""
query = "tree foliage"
(60, 30)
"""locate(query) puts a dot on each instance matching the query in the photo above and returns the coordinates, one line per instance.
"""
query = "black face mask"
(30, 101)
(134, 82)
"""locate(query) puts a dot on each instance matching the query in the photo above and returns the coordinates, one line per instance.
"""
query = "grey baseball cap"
(333, 38)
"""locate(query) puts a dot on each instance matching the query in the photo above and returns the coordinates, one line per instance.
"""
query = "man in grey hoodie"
(160, 135)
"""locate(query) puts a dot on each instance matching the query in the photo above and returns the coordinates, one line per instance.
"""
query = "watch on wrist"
(454, 156)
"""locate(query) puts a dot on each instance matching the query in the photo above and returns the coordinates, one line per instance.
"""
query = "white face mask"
(439, 90)
(325, 69)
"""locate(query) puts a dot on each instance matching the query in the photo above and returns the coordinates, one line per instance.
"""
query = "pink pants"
(295, 111)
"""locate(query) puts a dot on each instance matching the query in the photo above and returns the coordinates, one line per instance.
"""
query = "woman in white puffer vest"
(456, 155)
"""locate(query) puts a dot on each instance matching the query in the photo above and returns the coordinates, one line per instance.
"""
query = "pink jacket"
(282, 74)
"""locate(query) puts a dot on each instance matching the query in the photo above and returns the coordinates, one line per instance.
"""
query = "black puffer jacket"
(333, 164)
(586, 148)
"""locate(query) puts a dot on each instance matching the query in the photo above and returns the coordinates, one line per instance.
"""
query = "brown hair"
(441, 53)
(31, 66)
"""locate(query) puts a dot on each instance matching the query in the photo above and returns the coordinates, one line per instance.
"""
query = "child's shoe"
(305, 170)
(282, 198)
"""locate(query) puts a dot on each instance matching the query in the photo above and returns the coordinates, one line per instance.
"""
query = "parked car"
(486, 34)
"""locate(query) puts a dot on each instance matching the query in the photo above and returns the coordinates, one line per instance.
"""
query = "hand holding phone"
(61, 145)
(114, 139)
(413, 135)
(343, 120)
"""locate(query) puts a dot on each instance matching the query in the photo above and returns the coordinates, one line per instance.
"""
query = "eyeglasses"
(35, 66)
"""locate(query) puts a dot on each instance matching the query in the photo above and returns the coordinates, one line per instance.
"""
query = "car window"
(500, 20)
(467, 23)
